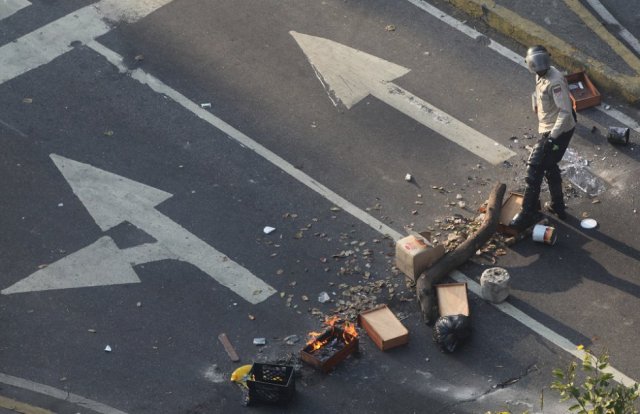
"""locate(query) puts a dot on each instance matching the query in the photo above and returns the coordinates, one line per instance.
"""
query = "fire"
(349, 332)
(314, 342)
(349, 329)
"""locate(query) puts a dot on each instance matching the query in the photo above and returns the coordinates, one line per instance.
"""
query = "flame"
(314, 342)
(349, 332)
(331, 321)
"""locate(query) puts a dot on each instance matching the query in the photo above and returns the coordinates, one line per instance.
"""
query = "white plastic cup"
(544, 234)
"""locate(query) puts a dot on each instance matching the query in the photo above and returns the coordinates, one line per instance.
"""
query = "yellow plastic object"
(241, 373)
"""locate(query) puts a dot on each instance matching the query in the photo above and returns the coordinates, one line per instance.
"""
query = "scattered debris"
(408, 177)
(588, 223)
(259, 341)
(390, 28)
(617, 135)
(544, 234)
(241, 374)
(324, 297)
(108, 133)
(268, 230)
(575, 169)
(107, 348)
(27, 100)
(251, 317)
(291, 339)
(228, 347)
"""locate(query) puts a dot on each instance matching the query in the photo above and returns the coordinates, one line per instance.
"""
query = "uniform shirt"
(554, 106)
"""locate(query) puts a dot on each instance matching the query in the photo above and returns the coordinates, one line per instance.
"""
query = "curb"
(529, 33)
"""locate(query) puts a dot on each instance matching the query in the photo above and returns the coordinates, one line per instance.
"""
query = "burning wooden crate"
(327, 349)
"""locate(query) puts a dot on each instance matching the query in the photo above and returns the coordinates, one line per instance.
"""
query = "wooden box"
(384, 329)
(414, 255)
(583, 93)
(452, 299)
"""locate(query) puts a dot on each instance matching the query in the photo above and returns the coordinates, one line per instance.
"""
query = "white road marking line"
(58, 394)
(54, 39)
(349, 75)
(9, 7)
(608, 18)
(512, 56)
(358, 213)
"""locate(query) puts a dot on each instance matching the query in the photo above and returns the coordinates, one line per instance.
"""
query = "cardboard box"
(583, 93)
(511, 206)
(384, 329)
(414, 254)
(452, 299)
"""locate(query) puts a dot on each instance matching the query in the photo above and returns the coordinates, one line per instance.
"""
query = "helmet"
(537, 59)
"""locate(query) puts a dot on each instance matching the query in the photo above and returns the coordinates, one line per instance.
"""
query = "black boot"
(529, 214)
(525, 219)
(559, 212)
(557, 207)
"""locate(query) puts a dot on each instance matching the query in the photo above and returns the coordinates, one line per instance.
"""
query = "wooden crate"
(452, 299)
(583, 93)
(384, 329)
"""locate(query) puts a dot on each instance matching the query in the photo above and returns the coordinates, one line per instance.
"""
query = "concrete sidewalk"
(574, 34)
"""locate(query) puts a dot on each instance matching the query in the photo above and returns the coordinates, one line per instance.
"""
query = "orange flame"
(349, 332)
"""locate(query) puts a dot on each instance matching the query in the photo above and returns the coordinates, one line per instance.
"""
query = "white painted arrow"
(111, 200)
(350, 75)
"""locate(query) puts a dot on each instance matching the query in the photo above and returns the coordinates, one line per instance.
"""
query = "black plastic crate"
(271, 383)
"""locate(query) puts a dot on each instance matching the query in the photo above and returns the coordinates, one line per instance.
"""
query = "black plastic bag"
(450, 331)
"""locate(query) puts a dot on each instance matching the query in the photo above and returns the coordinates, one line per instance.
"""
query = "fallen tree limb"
(452, 260)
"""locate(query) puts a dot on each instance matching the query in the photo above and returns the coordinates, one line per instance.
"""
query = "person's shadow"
(571, 261)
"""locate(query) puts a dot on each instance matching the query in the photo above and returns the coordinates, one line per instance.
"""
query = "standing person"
(556, 124)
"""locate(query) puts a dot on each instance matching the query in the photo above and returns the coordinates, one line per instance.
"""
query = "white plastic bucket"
(544, 234)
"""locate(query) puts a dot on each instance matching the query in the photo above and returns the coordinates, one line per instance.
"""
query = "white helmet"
(537, 59)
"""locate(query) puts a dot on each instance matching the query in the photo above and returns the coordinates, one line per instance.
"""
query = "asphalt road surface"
(142, 163)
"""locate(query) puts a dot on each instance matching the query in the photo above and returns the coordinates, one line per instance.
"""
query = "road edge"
(529, 33)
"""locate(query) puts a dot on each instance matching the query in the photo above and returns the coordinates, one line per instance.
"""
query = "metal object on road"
(618, 135)
(544, 234)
